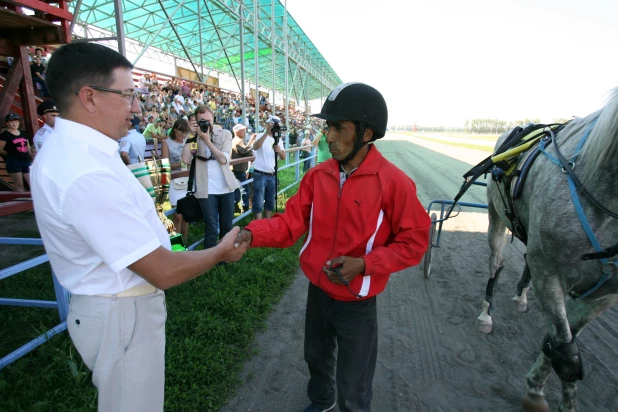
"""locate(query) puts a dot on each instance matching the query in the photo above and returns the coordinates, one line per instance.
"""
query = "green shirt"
(323, 153)
(150, 130)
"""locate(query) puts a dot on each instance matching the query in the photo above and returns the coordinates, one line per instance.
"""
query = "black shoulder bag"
(189, 206)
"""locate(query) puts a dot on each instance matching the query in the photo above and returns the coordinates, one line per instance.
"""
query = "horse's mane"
(602, 143)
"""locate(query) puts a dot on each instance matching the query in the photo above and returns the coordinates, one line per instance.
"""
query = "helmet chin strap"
(357, 145)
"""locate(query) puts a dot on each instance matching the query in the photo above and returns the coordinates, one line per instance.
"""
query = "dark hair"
(182, 125)
(76, 65)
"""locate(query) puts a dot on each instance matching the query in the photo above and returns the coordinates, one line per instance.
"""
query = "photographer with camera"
(214, 182)
(265, 167)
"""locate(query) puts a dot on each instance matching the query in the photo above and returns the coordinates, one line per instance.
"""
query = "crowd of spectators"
(178, 98)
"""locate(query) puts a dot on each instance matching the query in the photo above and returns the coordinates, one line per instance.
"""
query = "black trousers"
(344, 333)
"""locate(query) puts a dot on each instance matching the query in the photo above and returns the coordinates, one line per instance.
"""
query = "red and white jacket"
(376, 215)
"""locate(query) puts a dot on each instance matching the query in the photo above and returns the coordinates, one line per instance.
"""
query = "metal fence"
(62, 296)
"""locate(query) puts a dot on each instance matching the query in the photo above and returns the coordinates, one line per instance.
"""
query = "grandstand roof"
(146, 21)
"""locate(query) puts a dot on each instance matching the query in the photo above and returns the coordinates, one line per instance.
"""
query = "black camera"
(204, 125)
(277, 129)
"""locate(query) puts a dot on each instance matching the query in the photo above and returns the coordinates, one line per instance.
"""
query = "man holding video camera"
(264, 175)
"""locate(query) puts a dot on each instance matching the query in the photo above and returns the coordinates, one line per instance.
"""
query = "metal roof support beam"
(273, 53)
(287, 61)
(75, 14)
(199, 25)
(161, 27)
(179, 41)
(119, 27)
(292, 53)
(256, 52)
(305, 91)
(222, 50)
(242, 68)
(212, 20)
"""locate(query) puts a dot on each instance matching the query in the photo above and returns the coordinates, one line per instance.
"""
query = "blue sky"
(440, 62)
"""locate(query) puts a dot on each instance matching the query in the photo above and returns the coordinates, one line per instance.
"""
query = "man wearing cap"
(241, 149)
(364, 222)
(49, 111)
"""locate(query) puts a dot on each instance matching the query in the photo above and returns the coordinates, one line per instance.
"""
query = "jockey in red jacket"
(363, 222)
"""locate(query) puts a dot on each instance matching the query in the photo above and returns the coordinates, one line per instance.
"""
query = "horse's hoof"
(485, 328)
(534, 403)
(521, 307)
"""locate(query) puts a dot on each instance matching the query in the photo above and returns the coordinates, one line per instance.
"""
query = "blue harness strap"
(607, 274)
(608, 267)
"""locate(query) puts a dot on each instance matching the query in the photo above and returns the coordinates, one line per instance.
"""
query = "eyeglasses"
(129, 95)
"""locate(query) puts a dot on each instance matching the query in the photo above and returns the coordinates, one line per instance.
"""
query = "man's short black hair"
(76, 65)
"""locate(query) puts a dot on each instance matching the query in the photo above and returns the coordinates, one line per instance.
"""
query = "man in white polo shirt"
(264, 179)
(101, 232)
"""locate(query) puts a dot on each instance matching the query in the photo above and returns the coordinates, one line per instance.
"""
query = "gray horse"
(556, 241)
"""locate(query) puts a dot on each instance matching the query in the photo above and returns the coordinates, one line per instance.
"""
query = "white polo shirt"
(94, 216)
(265, 155)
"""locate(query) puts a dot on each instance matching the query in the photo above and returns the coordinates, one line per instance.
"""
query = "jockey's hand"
(349, 268)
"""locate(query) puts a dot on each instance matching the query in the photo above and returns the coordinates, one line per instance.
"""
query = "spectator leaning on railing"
(241, 149)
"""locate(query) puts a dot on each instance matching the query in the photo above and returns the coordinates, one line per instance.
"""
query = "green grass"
(489, 137)
(212, 321)
(488, 149)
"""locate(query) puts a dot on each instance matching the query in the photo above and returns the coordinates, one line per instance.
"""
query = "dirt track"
(431, 358)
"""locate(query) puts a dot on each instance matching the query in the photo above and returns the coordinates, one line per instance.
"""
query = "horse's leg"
(523, 286)
(552, 299)
(580, 313)
(496, 237)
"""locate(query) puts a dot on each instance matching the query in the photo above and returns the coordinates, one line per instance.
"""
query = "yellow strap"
(530, 140)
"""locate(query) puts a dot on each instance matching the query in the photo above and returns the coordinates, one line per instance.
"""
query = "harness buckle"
(609, 268)
(572, 164)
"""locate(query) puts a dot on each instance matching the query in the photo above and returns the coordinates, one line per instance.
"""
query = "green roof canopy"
(174, 26)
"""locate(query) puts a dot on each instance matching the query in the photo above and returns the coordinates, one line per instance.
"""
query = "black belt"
(264, 173)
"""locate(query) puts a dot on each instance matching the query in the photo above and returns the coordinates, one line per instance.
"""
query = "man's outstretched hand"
(243, 239)
(232, 252)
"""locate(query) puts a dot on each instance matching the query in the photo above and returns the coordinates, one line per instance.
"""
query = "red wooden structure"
(44, 24)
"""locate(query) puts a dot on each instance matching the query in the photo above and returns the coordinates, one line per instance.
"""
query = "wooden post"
(28, 100)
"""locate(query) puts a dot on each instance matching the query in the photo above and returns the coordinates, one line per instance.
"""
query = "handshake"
(234, 244)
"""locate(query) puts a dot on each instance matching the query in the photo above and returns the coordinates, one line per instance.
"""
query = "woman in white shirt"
(172, 149)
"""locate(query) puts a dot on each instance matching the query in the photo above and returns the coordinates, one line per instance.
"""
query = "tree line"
(477, 126)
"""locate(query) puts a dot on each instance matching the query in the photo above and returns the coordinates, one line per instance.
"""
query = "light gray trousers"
(122, 341)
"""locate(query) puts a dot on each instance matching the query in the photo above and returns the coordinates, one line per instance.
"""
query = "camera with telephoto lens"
(277, 128)
(204, 125)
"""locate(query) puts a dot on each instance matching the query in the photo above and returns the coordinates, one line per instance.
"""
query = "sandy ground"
(431, 357)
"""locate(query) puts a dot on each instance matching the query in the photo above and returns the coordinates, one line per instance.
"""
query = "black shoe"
(237, 208)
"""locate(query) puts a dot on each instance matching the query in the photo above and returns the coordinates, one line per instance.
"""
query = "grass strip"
(211, 324)
(450, 143)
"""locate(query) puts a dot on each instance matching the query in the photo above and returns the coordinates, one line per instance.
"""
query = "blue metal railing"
(61, 303)
(62, 295)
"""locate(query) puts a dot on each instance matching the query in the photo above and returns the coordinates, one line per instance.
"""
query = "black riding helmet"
(357, 102)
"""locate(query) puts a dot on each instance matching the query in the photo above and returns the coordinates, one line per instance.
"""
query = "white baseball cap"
(238, 127)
